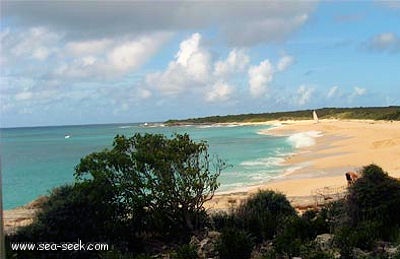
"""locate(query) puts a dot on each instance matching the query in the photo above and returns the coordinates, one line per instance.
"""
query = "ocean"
(35, 160)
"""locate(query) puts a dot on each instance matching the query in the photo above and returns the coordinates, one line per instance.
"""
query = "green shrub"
(263, 213)
(318, 220)
(295, 232)
(311, 250)
(148, 189)
(362, 236)
(72, 214)
(171, 177)
(185, 251)
(375, 197)
(234, 243)
(370, 212)
(222, 220)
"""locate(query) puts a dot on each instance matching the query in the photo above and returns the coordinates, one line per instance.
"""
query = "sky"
(93, 62)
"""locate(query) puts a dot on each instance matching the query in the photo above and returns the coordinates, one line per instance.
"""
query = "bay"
(35, 160)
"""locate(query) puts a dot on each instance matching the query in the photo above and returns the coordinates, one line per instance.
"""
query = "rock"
(16, 218)
(37, 203)
(325, 241)
(194, 241)
(207, 246)
(392, 251)
(387, 249)
(358, 253)
(262, 249)
(22, 216)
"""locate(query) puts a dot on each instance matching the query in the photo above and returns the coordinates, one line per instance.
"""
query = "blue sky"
(103, 62)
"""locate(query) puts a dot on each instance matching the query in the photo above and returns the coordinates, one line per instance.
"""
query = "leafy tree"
(263, 213)
(170, 178)
(145, 186)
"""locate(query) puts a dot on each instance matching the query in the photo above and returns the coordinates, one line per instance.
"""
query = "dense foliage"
(370, 113)
(172, 178)
(372, 210)
(268, 217)
(263, 213)
(147, 189)
(235, 243)
(368, 215)
(71, 214)
(145, 196)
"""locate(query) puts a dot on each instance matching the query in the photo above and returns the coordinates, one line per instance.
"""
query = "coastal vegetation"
(146, 190)
(367, 113)
(145, 198)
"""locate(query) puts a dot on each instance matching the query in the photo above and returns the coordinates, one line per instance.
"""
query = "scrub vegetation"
(367, 113)
(145, 198)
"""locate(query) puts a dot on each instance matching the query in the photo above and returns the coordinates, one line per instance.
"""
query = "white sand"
(343, 145)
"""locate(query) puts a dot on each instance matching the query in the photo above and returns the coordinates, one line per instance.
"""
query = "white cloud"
(275, 28)
(88, 47)
(285, 62)
(259, 77)
(258, 21)
(41, 53)
(190, 68)
(193, 58)
(37, 43)
(108, 58)
(132, 54)
(304, 94)
(220, 91)
(144, 93)
(387, 41)
(236, 61)
(358, 91)
(24, 96)
(333, 91)
(389, 4)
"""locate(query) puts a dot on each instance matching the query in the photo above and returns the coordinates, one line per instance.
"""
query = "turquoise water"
(34, 160)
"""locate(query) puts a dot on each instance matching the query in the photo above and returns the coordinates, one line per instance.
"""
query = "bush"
(263, 213)
(146, 188)
(171, 178)
(318, 220)
(296, 231)
(374, 200)
(222, 220)
(185, 251)
(72, 214)
(311, 250)
(234, 243)
(362, 236)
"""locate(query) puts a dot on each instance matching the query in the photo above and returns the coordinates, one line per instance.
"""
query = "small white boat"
(67, 136)
(315, 117)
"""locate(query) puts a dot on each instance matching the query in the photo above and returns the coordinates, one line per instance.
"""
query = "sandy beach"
(332, 148)
(326, 151)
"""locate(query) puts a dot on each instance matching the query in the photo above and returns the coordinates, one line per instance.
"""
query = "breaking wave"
(304, 139)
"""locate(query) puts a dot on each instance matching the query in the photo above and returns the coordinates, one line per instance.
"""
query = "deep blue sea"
(35, 160)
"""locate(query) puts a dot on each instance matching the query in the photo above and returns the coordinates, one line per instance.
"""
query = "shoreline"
(342, 145)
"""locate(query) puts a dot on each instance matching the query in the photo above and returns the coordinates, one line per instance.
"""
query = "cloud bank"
(256, 21)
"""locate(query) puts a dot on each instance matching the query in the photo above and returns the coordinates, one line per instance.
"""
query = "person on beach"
(351, 177)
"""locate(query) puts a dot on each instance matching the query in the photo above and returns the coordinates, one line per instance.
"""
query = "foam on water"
(265, 162)
(304, 139)
(35, 160)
